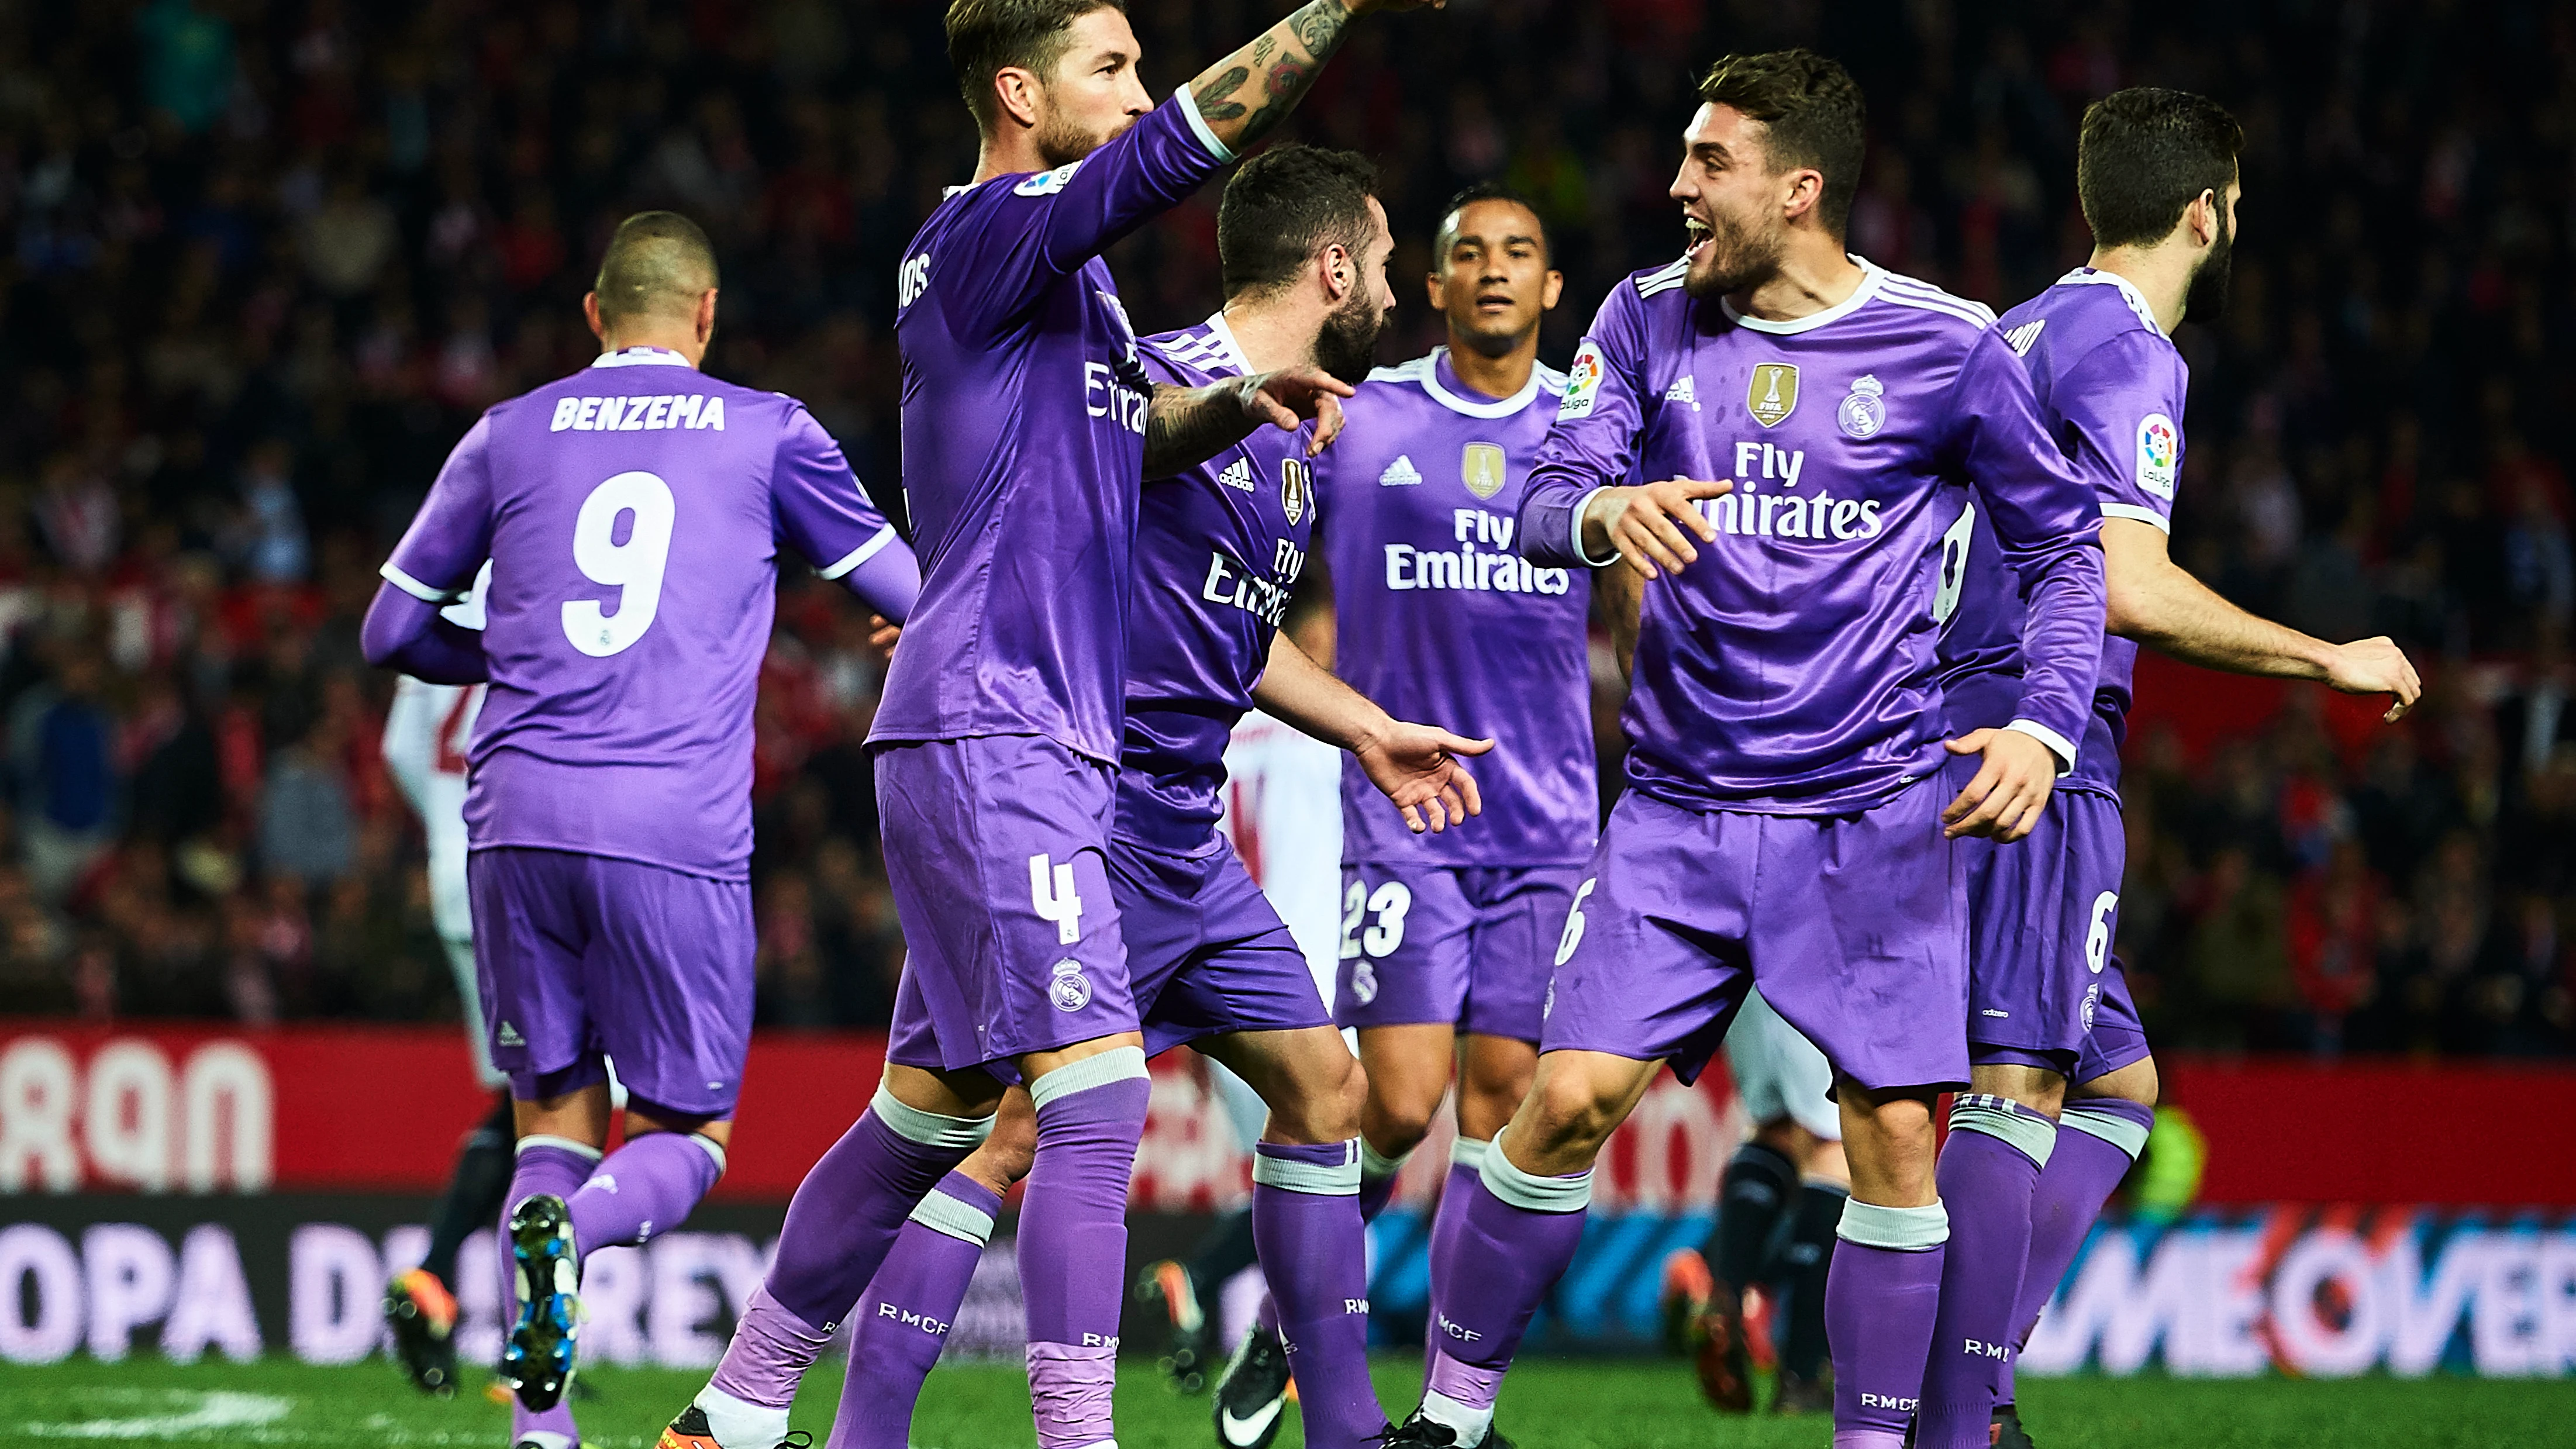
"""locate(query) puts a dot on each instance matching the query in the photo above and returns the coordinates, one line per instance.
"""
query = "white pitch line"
(217, 1410)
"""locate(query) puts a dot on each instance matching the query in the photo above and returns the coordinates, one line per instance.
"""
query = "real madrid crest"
(1864, 408)
(1296, 483)
(1481, 469)
(1773, 392)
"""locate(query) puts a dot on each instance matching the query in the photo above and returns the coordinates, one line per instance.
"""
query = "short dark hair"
(658, 261)
(987, 36)
(1489, 191)
(2144, 154)
(1283, 204)
(1811, 114)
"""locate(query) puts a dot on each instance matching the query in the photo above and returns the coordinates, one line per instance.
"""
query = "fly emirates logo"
(1106, 395)
(1481, 561)
(1816, 516)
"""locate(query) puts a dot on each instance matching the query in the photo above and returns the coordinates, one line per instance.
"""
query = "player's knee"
(1007, 1155)
(1568, 1113)
(1326, 1102)
(1396, 1124)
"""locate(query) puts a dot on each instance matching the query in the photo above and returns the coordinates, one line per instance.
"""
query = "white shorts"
(1780, 1073)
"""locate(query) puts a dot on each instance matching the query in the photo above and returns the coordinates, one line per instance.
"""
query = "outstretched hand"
(1644, 524)
(1415, 766)
(2375, 666)
(2010, 790)
(1290, 396)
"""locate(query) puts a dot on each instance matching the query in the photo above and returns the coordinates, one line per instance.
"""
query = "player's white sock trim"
(1290, 1175)
(930, 1129)
(1903, 1230)
(1470, 1153)
(1114, 1065)
(1375, 1164)
(1466, 1421)
(1531, 1192)
(565, 1144)
(2119, 1131)
(2018, 1127)
(544, 1439)
(957, 1218)
(711, 1148)
(738, 1423)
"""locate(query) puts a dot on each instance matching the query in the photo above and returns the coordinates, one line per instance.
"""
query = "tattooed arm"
(1244, 96)
(1185, 426)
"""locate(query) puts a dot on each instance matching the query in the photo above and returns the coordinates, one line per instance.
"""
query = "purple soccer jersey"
(634, 514)
(2111, 387)
(1440, 620)
(1024, 408)
(1792, 669)
(1218, 551)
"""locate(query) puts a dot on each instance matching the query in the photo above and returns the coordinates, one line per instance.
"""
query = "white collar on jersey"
(1230, 351)
(1474, 407)
(1871, 275)
(2129, 290)
(641, 357)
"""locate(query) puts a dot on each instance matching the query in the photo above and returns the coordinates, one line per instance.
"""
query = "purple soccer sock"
(1515, 1234)
(903, 1321)
(840, 1225)
(552, 1165)
(1988, 1167)
(1880, 1296)
(1073, 1240)
(553, 1429)
(1306, 1226)
(649, 1185)
(1466, 1164)
(2097, 1141)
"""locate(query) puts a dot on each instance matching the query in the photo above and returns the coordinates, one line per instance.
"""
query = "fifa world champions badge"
(1864, 408)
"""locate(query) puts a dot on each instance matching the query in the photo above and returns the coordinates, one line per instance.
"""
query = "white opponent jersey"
(1283, 810)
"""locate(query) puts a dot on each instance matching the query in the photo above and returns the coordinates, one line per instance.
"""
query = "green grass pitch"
(1548, 1404)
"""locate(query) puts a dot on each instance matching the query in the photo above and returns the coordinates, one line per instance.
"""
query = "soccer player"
(1303, 246)
(634, 514)
(1028, 421)
(2157, 176)
(1445, 939)
(1818, 423)
(426, 733)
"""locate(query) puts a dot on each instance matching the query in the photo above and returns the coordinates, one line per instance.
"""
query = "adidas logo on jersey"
(508, 1035)
(1683, 391)
(2020, 338)
(1237, 474)
(1400, 474)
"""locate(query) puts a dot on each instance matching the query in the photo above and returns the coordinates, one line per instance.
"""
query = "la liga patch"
(2159, 455)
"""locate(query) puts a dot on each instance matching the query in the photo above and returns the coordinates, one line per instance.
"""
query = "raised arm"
(2158, 603)
(1247, 94)
(1412, 764)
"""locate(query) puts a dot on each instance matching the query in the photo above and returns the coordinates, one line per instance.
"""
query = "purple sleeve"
(1593, 444)
(408, 633)
(824, 514)
(1047, 225)
(2049, 526)
(2124, 404)
(451, 536)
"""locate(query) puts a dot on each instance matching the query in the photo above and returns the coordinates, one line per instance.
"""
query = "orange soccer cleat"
(422, 1314)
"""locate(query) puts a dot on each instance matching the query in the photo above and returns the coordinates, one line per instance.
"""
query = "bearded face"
(2206, 301)
(1347, 344)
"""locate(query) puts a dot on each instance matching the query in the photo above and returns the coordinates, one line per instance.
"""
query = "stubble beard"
(2206, 299)
(1731, 260)
(1346, 345)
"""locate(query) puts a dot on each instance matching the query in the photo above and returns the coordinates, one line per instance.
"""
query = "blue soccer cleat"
(537, 1361)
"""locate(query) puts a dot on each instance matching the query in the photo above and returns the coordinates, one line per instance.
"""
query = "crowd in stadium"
(266, 260)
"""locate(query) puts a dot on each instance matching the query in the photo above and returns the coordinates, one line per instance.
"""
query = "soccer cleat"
(1796, 1395)
(1724, 1368)
(690, 1431)
(537, 1360)
(1252, 1396)
(1688, 1286)
(422, 1315)
(1761, 1337)
(1193, 1337)
(1419, 1432)
(2007, 1432)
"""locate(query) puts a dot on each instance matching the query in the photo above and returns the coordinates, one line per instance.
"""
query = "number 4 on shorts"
(1054, 897)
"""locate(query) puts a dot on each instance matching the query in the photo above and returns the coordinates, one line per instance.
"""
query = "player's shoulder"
(2091, 318)
(1941, 312)
(1195, 354)
(1651, 282)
